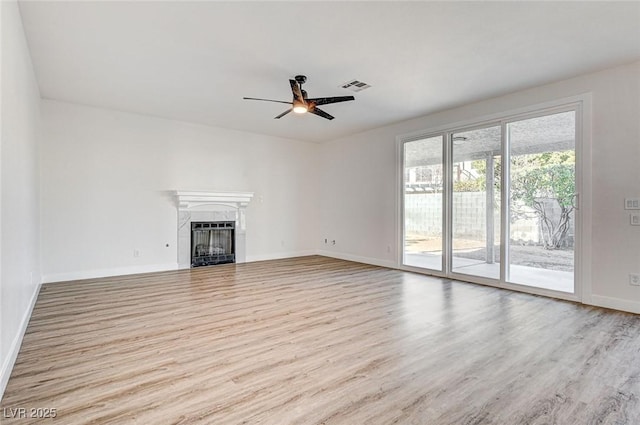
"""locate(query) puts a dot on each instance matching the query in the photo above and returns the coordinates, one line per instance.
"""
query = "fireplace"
(212, 242)
(198, 209)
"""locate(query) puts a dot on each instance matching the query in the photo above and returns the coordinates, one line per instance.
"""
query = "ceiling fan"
(302, 104)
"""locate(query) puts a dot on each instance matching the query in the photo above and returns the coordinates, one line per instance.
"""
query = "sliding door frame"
(449, 220)
(581, 104)
(506, 189)
(400, 201)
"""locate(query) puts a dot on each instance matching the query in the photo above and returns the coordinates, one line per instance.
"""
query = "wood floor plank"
(314, 340)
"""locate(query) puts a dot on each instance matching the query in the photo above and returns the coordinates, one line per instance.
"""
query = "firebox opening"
(212, 242)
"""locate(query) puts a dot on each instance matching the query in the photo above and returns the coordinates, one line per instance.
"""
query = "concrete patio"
(554, 280)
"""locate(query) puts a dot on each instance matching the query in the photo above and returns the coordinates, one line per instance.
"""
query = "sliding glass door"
(455, 222)
(475, 203)
(542, 195)
(423, 213)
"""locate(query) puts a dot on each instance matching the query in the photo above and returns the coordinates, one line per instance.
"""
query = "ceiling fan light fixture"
(300, 103)
(300, 108)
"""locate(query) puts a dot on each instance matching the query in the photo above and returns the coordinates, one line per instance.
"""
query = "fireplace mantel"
(210, 206)
(190, 199)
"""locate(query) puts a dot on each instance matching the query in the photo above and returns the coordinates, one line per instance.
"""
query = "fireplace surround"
(209, 207)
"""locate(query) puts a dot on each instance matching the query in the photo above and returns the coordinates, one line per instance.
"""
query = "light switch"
(632, 203)
(635, 219)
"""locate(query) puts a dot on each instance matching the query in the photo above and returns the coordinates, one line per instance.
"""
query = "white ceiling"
(194, 61)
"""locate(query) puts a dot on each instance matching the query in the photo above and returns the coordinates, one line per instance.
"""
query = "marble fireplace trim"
(210, 206)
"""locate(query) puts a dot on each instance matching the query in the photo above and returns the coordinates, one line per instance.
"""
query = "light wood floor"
(314, 340)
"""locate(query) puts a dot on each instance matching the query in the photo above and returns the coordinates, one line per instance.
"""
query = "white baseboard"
(118, 271)
(358, 259)
(123, 271)
(280, 255)
(9, 361)
(615, 303)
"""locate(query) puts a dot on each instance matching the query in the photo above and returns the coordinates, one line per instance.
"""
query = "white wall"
(106, 174)
(359, 182)
(19, 200)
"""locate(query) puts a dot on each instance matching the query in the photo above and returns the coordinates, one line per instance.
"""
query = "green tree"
(542, 181)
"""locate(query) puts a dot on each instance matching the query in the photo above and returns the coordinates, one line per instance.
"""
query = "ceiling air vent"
(355, 85)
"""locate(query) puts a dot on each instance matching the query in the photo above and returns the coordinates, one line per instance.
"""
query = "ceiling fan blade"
(295, 89)
(319, 112)
(283, 114)
(328, 100)
(267, 100)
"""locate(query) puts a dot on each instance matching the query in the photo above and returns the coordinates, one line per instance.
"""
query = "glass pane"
(423, 203)
(541, 202)
(476, 202)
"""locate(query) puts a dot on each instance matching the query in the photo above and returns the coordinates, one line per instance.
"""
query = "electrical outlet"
(634, 279)
(333, 242)
(136, 253)
(635, 219)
